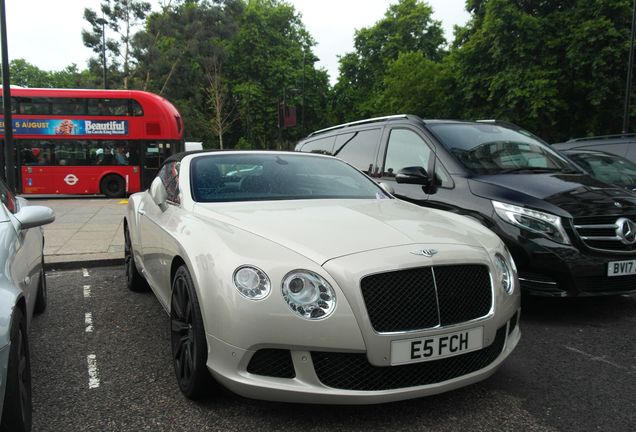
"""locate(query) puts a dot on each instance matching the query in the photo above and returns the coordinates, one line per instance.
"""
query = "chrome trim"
(601, 238)
(598, 226)
(536, 281)
(439, 313)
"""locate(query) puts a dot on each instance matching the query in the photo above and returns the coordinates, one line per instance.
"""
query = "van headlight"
(539, 222)
(308, 294)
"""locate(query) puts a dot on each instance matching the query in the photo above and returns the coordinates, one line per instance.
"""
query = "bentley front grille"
(426, 297)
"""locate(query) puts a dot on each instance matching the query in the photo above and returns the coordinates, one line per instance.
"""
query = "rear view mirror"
(34, 216)
(158, 192)
(413, 175)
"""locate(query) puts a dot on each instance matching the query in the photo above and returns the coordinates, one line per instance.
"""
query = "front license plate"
(621, 268)
(435, 347)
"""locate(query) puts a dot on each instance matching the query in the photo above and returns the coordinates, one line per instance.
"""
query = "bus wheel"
(113, 186)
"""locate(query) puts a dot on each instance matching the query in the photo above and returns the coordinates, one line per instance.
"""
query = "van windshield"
(493, 149)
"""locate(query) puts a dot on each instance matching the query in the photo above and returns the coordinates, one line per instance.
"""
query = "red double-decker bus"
(109, 142)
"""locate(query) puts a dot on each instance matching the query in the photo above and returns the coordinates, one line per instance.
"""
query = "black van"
(569, 234)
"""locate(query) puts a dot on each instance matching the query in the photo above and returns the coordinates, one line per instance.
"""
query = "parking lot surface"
(101, 362)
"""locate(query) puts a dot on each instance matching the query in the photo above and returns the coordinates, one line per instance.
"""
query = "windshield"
(492, 149)
(261, 176)
(607, 168)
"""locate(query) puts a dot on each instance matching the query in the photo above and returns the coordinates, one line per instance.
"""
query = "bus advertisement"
(109, 142)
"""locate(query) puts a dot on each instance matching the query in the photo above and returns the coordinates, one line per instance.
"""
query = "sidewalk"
(86, 230)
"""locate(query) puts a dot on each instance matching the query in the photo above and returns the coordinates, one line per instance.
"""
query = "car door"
(20, 260)
(154, 223)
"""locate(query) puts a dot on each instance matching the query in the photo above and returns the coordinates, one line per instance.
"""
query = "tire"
(134, 280)
(113, 186)
(16, 414)
(41, 298)
(189, 346)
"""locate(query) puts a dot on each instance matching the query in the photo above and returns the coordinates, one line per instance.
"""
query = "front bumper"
(551, 269)
(311, 384)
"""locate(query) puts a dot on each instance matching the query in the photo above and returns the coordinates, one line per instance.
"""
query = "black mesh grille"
(463, 292)
(353, 371)
(406, 299)
(272, 362)
(401, 300)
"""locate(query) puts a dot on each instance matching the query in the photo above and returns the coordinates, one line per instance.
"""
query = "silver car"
(22, 292)
(297, 278)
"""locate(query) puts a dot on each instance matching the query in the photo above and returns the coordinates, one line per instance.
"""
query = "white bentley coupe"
(295, 277)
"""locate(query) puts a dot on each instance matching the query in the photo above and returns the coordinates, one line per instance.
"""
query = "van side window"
(361, 149)
(405, 149)
(320, 145)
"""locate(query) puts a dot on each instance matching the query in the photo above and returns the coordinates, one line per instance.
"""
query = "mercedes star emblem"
(626, 231)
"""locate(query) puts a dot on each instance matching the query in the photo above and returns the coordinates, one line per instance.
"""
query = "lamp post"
(628, 84)
(9, 165)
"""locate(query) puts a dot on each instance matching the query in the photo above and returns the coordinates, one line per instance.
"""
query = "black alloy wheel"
(113, 186)
(16, 413)
(189, 347)
(41, 298)
(134, 280)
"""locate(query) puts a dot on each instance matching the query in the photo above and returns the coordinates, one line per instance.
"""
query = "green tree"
(407, 26)
(556, 68)
(270, 63)
(25, 74)
(122, 17)
(411, 85)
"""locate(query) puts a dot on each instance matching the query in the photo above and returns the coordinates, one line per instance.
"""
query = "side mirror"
(413, 175)
(158, 192)
(387, 188)
(34, 216)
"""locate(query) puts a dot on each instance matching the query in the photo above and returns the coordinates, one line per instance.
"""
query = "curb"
(75, 265)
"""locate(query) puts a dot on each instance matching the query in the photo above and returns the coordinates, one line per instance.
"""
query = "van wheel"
(113, 186)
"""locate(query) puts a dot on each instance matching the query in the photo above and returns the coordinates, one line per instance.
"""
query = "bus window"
(33, 105)
(136, 109)
(68, 106)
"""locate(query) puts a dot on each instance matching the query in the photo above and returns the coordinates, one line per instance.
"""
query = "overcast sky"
(47, 33)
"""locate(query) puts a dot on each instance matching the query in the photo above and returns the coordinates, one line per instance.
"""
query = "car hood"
(325, 229)
(568, 195)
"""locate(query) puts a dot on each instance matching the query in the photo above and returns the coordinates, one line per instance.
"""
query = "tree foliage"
(121, 17)
(407, 26)
(555, 68)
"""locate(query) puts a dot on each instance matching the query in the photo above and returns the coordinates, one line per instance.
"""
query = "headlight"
(505, 274)
(252, 282)
(308, 294)
(536, 221)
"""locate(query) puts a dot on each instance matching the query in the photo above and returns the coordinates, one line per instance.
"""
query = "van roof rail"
(499, 122)
(614, 136)
(359, 122)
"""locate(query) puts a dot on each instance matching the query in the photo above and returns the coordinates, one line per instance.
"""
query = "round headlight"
(252, 282)
(308, 294)
(506, 278)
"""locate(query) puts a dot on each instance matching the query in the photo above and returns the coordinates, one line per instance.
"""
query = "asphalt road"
(574, 370)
